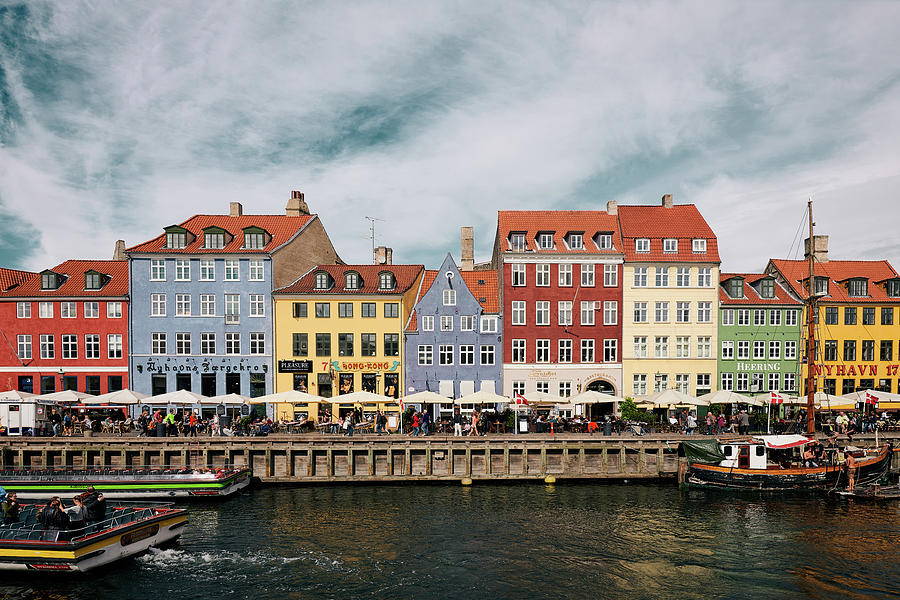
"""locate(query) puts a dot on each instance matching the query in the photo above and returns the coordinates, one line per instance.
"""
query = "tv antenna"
(372, 233)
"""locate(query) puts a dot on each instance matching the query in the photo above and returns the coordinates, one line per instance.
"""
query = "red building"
(561, 292)
(65, 328)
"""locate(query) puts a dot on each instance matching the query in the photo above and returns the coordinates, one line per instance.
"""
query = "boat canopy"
(702, 451)
(779, 442)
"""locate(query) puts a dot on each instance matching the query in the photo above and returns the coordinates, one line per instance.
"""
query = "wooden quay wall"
(308, 459)
(366, 458)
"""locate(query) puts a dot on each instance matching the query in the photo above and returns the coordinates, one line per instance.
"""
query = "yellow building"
(669, 300)
(858, 325)
(339, 329)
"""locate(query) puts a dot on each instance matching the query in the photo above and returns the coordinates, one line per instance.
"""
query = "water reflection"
(511, 541)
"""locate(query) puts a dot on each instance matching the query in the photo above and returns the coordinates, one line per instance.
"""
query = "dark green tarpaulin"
(702, 451)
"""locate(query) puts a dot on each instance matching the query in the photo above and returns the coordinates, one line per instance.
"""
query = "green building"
(759, 335)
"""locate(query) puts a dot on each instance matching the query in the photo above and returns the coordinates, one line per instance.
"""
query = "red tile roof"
(413, 323)
(11, 277)
(405, 275)
(486, 294)
(782, 296)
(681, 221)
(281, 227)
(73, 286)
(558, 222)
(796, 272)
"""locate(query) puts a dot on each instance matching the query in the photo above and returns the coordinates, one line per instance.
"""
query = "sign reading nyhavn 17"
(295, 366)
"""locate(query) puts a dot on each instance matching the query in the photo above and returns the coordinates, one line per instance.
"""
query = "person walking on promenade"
(380, 422)
(415, 423)
(474, 430)
(457, 422)
(744, 423)
(426, 422)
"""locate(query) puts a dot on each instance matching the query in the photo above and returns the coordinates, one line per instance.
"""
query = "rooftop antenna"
(372, 233)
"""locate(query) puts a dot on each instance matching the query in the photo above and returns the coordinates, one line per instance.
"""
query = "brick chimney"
(468, 249)
(119, 252)
(612, 207)
(235, 209)
(383, 255)
(819, 250)
(296, 206)
(667, 200)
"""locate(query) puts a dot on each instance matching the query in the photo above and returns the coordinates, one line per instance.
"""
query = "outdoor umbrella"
(482, 397)
(66, 396)
(594, 397)
(729, 397)
(666, 397)
(124, 397)
(425, 397)
(226, 399)
(179, 397)
(15, 395)
(363, 398)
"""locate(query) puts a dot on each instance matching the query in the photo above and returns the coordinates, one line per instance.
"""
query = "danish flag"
(870, 399)
(776, 398)
(520, 399)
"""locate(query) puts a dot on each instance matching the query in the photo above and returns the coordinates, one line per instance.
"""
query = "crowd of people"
(87, 509)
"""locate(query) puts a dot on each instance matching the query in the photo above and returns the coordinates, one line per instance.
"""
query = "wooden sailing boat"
(781, 462)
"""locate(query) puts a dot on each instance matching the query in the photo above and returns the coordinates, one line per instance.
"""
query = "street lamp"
(62, 385)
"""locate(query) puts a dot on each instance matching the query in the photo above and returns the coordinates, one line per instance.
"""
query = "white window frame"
(587, 274)
(682, 312)
(542, 313)
(92, 346)
(588, 351)
(114, 348)
(232, 269)
(610, 275)
(542, 351)
(23, 346)
(727, 350)
(425, 354)
(610, 312)
(704, 312)
(640, 312)
(113, 310)
(257, 305)
(91, 310)
(446, 322)
(564, 312)
(587, 312)
(661, 278)
(23, 310)
(207, 305)
(661, 312)
(704, 277)
(232, 342)
(564, 350)
(157, 305)
(449, 297)
(642, 245)
(427, 322)
(182, 305)
(518, 312)
(670, 245)
(517, 270)
(565, 274)
(639, 349)
(518, 351)
(698, 245)
(257, 270)
(207, 343)
(68, 310)
(488, 324)
(467, 322)
(610, 350)
(640, 277)
(207, 269)
(541, 275)
(158, 343)
(487, 355)
(257, 342)
(182, 269)
(682, 346)
(704, 346)
(682, 277)
(157, 269)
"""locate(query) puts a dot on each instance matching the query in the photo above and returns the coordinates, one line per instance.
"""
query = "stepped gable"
(680, 221)
(281, 228)
(796, 272)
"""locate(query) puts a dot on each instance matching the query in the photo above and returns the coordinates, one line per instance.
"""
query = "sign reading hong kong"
(855, 370)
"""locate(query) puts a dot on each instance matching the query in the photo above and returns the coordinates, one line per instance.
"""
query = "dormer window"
(767, 288)
(49, 280)
(642, 245)
(576, 241)
(604, 241)
(892, 288)
(698, 246)
(517, 241)
(351, 281)
(254, 238)
(386, 280)
(323, 280)
(858, 287)
(821, 286)
(176, 240)
(736, 287)
(93, 280)
(670, 245)
(545, 241)
(214, 240)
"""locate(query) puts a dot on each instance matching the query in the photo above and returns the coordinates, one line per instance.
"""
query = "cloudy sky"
(117, 119)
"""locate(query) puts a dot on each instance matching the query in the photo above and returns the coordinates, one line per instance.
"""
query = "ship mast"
(811, 335)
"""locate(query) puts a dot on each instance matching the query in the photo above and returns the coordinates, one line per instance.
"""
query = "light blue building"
(201, 317)
(453, 339)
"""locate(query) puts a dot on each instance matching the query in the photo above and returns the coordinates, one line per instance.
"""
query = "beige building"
(669, 299)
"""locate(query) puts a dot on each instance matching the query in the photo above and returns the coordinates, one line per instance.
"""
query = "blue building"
(453, 338)
(201, 317)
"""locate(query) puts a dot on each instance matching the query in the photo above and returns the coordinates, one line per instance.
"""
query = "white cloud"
(435, 116)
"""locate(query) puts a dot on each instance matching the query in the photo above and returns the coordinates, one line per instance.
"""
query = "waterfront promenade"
(318, 458)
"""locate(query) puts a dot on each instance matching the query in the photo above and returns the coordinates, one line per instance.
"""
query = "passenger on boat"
(851, 472)
(10, 507)
(95, 504)
(77, 513)
(52, 517)
(809, 457)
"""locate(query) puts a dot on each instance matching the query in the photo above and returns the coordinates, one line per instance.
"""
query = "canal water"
(509, 541)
